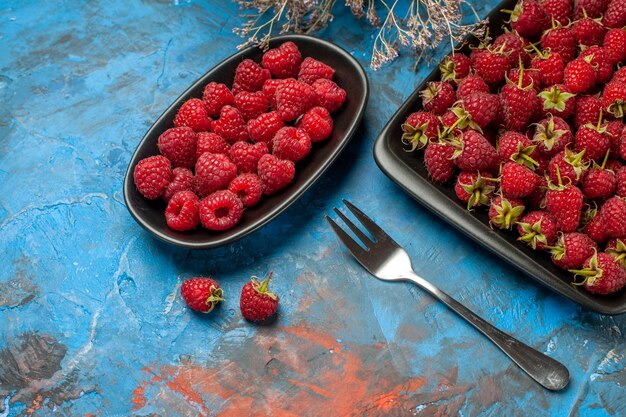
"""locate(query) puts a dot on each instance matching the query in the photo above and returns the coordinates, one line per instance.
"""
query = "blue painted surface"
(90, 314)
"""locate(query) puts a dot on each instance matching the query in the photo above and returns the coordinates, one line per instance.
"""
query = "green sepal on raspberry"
(555, 99)
(532, 234)
(617, 249)
(504, 212)
(523, 154)
(548, 135)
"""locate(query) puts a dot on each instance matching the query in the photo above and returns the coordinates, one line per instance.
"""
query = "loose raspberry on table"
(182, 180)
(312, 70)
(275, 173)
(220, 210)
(251, 105)
(193, 114)
(213, 172)
(182, 212)
(293, 98)
(284, 61)
(264, 127)
(231, 125)
(291, 143)
(318, 123)
(216, 96)
(178, 144)
(152, 175)
(248, 187)
(249, 76)
(201, 294)
(257, 303)
(246, 155)
(211, 142)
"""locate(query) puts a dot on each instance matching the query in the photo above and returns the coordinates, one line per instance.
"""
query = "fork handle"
(548, 372)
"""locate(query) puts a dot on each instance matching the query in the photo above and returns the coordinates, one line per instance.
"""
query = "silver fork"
(388, 261)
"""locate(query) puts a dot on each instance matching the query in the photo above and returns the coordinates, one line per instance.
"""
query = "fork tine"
(357, 251)
(369, 224)
(366, 240)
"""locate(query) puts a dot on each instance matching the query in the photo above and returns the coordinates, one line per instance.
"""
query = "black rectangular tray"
(408, 171)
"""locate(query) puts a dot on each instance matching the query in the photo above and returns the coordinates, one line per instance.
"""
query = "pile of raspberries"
(232, 146)
(532, 126)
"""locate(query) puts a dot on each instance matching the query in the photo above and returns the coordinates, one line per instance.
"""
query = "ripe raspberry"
(419, 128)
(595, 228)
(602, 274)
(615, 16)
(615, 44)
(613, 214)
(475, 153)
(437, 97)
(599, 183)
(593, 140)
(318, 123)
(269, 89)
(537, 199)
(559, 10)
(193, 114)
(275, 173)
(438, 161)
(284, 61)
(614, 99)
(246, 155)
(231, 125)
(560, 40)
(537, 229)
(588, 31)
(549, 67)
(471, 84)
(517, 180)
(249, 76)
(455, 67)
(312, 70)
(579, 76)
(328, 94)
(152, 175)
(572, 250)
(492, 66)
(248, 187)
(211, 142)
(213, 172)
(251, 105)
(590, 8)
(291, 143)
(505, 212)
(482, 108)
(552, 135)
(472, 188)
(600, 60)
(264, 127)
(617, 249)
(621, 182)
(513, 46)
(178, 144)
(558, 100)
(216, 96)
(182, 211)
(221, 210)
(619, 76)
(614, 131)
(201, 294)
(529, 19)
(257, 303)
(293, 98)
(515, 106)
(568, 166)
(513, 146)
(587, 110)
(182, 180)
(565, 203)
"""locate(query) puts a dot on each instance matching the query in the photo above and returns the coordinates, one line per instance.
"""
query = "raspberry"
(537, 229)
(251, 105)
(216, 96)
(619, 76)
(588, 31)
(182, 180)
(615, 44)
(193, 114)
(513, 46)
(328, 94)
(471, 84)
(600, 60)
(220, 210)
(246, 155)
(312, 70)
(178, 144)
(438, 161)
(614, 99)
(249, 76)
(615, 16)
(437, 97)
(257, 303)
(579, 76)
(231, 125)
(587, 110)
(182, 211)
(248, 187)
(517, 180)
(152, 175)
(455, 67)
(472, 188)
(560, 40)
(317, 123)
(201, 294)
(293, 98)
(492, 66)
(213, 172)
(621, 182)
(291, 143)
(264, 127)
(275, 173)
(284, 61)
(269, 89)
(211, 142)
(599, 183)
(422, 127)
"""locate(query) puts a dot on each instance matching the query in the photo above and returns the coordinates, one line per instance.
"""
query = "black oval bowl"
(408, 171)
(348, 74)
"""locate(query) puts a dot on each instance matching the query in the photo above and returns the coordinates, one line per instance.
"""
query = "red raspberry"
(516, 106)
(293, 98)
(593, 140)
(529, 78)
(422, 127)
(570, 167)
(537, 229)
(291, 143)
(613, 214)
(317, 123)
(529, 19)
(182, 211)
(482, 108)
(246, 155)
(600, 60)
(312, 70)
(560, 40)
(178, 144)
(220, 210)
(455, 67)
(216, 96)
(615, 44)
(621, 182)
(492, 66)
(559, 10)
(591, 8)
(249, 76)
(579, 76)
(505, 212)
(513, 45)
(257, 303)
(231, 125)
(211, 142)
(619, 76)
(548, 68)
(213, 172)
(152, 175)
(615, 16)
(614, 99)
(275, 173)
(602, 274)
(251, 105)
(599, 183)
(588, 31)
(182, 180)
(517, 180)
(558, 100)
(572, 250)
(513, 146)
(552, 135)
(284, 61)
(437, 97)
(537, 199)
(614, 131)
(438, 161)
(269, 89)
(328, 94)
(471, 84)
(588, 110)
(248, 187)
(264, 127)
(193, 114)
(617, 249)
(201, 294)
(472, 188)
(476, 153)
(565, 204)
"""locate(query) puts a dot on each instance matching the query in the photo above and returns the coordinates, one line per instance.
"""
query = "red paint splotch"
(295, 371)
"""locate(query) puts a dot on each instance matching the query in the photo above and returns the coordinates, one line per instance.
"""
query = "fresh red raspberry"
(579, 75)
(588, 31)
(621, 182)
(318, 123)
(231, 125)
(491, 66)
(438, 161)
(471, 84)
(257, 303)
(312, 70)
(269, 89)
(178, 144)
(619, 76)
(220, 210)
(599, 183)
(284, 61)
(420, 128)
(600, 60)
(152, 175)
(213, 172)
(182, 212)
(517, 180)
(248, 187)
(537, 229)
(529, 78)
(547, 68)
(275, 173)
(211, 142)
(246, 155)
(437, 97)
(251, 105)
(514, 46)
(455, 67)
(264, 127)
(558, 100)
(472, 188)
(291, 143)
(329, 95)
(572, 250)
(193, 114)
(293, 98)
(201, 294)
(505, 212)
(552, 135)
(560, 40)
(591, 8)
(249, 76)
(216, 96)
(614, 99)
(559, 10)
(615, 16)
(182, 180)
(615, 44)
(587, 110)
